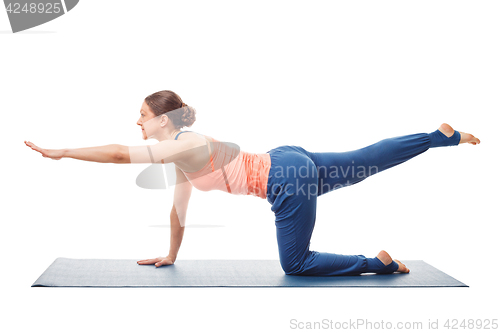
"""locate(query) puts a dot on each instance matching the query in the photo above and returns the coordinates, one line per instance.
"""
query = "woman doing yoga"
(289, 177)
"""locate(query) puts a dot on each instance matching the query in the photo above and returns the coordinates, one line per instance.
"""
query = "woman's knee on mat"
(326, 264)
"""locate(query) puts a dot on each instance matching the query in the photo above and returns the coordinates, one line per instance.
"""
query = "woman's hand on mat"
(160, 261)
(55, 154)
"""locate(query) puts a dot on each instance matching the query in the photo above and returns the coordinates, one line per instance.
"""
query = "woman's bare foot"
(386, 260)
(464, 137)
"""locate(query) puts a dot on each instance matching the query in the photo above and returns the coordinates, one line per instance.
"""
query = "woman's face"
(149, 123)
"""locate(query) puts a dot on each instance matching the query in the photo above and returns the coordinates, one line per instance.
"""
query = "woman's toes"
(468, 138)
(446, 129)
(402, 268)
(384, 257)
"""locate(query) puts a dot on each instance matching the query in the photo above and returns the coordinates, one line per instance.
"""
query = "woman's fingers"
(164, 262)
(160, 261)
(45, 152)
(33, 146)
(148, 261)
(30, 144)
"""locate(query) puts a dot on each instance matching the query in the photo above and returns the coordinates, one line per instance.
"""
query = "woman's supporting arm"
(176, 235)
(182, 194)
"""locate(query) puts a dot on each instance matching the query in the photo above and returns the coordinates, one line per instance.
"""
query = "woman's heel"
(438, 139)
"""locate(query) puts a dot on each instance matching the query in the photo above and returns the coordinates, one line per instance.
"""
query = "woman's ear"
(164, 119)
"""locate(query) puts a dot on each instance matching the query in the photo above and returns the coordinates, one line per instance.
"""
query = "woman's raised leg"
(336, 170)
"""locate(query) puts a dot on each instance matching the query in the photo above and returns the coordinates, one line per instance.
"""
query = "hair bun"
(189, 115)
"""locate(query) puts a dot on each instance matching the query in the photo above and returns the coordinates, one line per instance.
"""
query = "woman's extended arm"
(165, 151)
(104, 154)
(101, 154)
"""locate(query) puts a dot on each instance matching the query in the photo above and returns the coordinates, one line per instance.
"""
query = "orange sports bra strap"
(211, 159)
(225, 178)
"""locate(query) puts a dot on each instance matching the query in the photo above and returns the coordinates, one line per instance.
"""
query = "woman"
(289, 177)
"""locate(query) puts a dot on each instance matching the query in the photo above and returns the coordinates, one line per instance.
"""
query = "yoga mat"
(66, 272)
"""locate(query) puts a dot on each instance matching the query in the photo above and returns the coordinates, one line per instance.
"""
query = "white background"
(325, 75)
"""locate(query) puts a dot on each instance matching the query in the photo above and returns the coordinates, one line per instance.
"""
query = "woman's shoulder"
(191, 135)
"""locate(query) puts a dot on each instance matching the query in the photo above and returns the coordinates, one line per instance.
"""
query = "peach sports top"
(232, 170)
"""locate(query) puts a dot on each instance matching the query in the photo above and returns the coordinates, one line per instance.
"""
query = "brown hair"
(169, 103)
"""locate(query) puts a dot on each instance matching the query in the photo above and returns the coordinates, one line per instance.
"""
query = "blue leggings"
(297, 177)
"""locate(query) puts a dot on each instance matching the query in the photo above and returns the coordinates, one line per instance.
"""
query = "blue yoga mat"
(66, 272)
